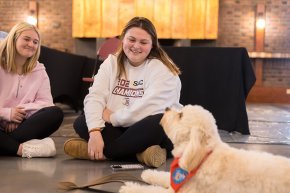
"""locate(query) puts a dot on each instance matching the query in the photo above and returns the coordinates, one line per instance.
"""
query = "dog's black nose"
(167, 109)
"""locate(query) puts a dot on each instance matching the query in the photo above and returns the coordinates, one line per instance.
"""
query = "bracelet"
(96, 129)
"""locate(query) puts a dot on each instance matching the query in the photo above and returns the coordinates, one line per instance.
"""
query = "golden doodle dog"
(204, 164)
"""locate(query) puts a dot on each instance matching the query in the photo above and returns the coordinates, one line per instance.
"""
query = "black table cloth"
(65, 71)
(219, 79)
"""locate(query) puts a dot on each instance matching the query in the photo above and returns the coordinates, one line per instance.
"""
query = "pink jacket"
(31, 91)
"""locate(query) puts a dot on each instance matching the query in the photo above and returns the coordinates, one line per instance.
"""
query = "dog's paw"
(129, 187)
(154, 177)
(146, 175)
(132, 187)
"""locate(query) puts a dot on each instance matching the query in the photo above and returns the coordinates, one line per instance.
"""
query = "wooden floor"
(270, 125)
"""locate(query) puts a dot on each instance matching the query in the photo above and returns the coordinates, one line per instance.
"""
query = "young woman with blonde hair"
(27, 113)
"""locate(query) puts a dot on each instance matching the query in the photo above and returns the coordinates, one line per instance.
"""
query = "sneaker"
(153, 156)
(39, 148)
(76, 148)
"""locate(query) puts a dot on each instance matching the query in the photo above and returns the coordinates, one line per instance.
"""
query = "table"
(219, 79)
(65, 71)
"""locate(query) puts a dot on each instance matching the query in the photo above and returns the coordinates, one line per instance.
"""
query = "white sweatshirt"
(148, 90)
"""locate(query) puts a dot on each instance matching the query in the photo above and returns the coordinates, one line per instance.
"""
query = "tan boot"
(76, 148)
(153, 156)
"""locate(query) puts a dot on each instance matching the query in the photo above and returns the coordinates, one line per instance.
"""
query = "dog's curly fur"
(193, 132)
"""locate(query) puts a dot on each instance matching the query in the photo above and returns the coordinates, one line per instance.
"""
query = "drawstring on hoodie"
(19, 79)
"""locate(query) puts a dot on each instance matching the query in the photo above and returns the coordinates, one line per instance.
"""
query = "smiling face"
(137, 44)
(27, 44)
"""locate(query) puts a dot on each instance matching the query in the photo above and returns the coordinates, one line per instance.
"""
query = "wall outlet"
(287, 91)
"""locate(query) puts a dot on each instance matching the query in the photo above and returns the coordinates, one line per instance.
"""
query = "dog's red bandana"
(180, 176)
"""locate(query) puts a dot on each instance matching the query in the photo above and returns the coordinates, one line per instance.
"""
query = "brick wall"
(236, 23)
(278, 26)
(276, 72)
(236, 28)
(12, 12)
(55, 21)
(237, 20)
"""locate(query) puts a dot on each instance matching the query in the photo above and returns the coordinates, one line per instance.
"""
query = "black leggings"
(122, 143)
(38, 126)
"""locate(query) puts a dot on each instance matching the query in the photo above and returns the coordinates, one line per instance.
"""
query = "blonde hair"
(156, 52)
(8, 49)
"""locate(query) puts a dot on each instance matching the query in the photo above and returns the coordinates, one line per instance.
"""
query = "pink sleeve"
(5, 114)
(43, 98)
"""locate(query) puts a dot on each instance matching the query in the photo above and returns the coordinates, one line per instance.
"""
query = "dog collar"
(179, 176)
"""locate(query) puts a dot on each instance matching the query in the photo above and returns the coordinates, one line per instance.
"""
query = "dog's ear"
(195, 149)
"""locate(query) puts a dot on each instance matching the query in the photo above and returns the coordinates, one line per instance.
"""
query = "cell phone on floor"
(122, 167)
